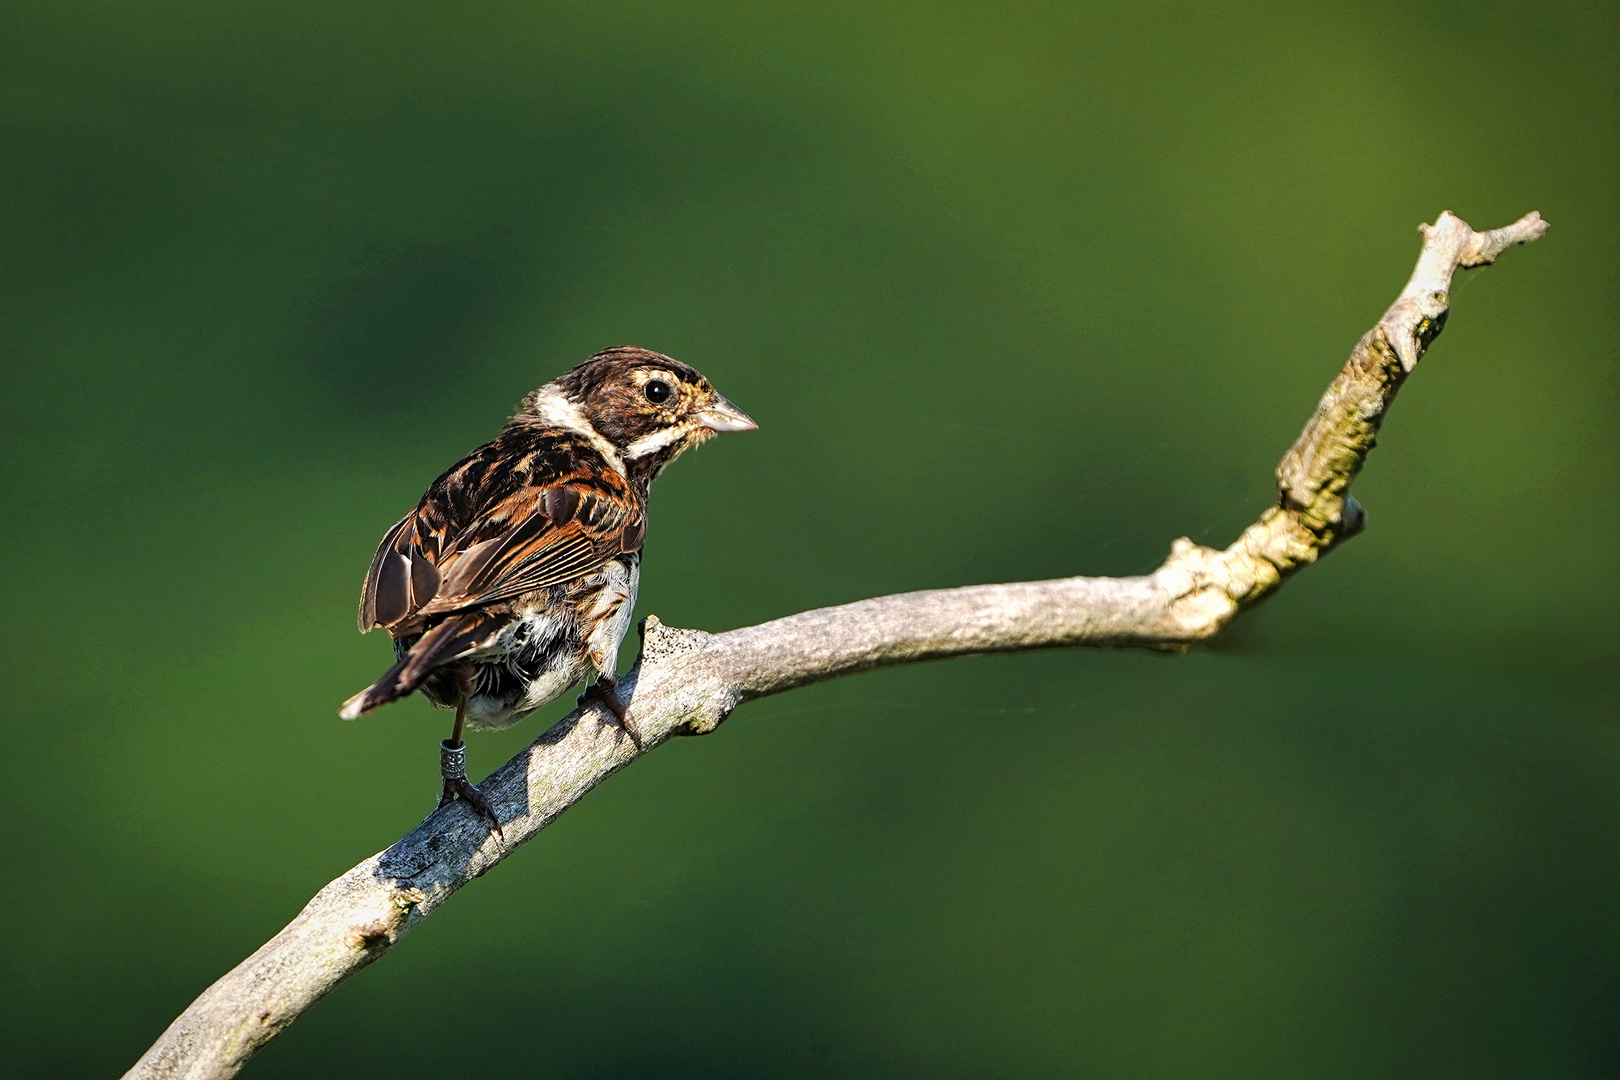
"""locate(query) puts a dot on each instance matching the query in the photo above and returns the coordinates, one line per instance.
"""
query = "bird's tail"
(447, 642)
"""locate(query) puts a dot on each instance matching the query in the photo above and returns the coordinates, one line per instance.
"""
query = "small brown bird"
(515, 576)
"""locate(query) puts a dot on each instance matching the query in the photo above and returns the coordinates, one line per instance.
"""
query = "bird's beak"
(724, 416)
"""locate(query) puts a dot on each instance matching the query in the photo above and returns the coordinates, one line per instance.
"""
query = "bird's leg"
(453, 761)
(605, 690)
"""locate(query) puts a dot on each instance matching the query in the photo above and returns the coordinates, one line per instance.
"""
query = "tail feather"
(444, 644)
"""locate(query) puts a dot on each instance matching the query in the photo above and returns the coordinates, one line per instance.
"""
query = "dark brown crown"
(613, 365)
(609, 391)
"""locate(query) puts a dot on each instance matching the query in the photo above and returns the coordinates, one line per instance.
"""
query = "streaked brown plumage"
(515, 575)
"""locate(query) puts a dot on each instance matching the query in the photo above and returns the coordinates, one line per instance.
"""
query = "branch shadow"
(439, 853)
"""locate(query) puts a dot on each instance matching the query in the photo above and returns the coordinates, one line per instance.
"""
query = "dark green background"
(1014, 290)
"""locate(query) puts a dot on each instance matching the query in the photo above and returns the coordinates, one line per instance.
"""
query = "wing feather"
(484, 533)
(368, 594)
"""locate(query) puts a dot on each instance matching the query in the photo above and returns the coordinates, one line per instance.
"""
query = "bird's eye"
(657, 391)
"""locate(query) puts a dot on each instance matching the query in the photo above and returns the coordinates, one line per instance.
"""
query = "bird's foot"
(453, 766)
(606, 691)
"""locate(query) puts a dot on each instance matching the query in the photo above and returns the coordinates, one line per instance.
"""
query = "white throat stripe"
(648, 444)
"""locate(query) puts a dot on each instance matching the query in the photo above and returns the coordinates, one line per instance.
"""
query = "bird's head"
(647, 406)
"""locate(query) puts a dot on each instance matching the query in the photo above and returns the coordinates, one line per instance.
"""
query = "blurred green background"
(268, 268)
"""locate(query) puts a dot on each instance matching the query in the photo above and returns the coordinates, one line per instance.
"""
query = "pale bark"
(686, 682)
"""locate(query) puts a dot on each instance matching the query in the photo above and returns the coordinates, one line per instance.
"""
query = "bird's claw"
(607, 693)
(453, 767)
(459, 788)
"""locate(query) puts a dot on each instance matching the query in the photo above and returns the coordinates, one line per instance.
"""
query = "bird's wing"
(499, 524)
(450, 639)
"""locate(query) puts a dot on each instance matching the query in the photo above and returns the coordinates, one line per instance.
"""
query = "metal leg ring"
(453, 760)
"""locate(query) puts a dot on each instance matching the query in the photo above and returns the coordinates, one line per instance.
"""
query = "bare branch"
(687, 682)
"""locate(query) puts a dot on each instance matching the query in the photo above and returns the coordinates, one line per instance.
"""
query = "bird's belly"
(605, 615)
(535, 660)
(558, 638)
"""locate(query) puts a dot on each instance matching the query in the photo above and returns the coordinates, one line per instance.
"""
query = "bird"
(515, 576)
